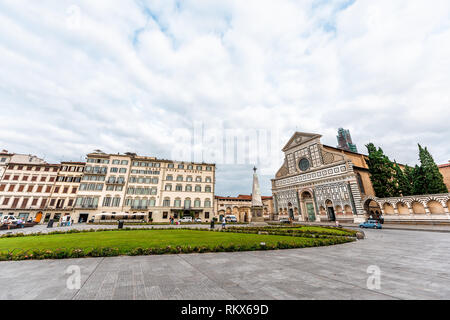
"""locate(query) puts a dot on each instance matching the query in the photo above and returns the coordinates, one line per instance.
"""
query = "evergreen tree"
(433, 181)
(407, 183)
(382, 172)
(403, 184)
(418, 181)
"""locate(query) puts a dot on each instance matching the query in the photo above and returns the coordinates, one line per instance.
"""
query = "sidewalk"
(429, 228)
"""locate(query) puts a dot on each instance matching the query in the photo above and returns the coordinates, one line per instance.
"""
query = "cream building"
(64, 193)
(240, 206)
(144, 188)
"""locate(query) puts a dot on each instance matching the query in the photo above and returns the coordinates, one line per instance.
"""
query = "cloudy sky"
(223, 81)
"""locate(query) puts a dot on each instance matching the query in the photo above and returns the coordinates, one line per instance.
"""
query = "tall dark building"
(345, 140)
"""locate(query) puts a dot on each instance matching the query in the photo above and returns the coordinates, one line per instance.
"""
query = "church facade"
(320, 183)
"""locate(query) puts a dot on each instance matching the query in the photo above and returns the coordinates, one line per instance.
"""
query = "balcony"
(139, 207)
(115, 183)
(86, 206)
(97, 172)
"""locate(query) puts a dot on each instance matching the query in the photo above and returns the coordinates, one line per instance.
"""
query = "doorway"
(331, 214)
(330, 210)
(310, 210)
(83, 218)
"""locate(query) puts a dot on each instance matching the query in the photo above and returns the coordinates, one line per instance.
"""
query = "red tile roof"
(242, 197)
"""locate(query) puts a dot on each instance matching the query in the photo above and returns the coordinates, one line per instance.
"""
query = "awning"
(120, 214)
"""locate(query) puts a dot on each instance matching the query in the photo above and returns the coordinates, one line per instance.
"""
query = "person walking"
(224, 223)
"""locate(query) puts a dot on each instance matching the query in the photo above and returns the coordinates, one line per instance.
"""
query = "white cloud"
(124, 75)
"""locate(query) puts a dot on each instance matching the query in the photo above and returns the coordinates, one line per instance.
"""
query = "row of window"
(25, 203)
(143, 180)
(90, 202)
(91, 186)
(145, 172)
(68, 179)
(188, 167)
(72, 169)
(32, 168)
(8, 177)
(32, 188)
(146, 164)
(187, 203)
(188, 178)
(188, 188)
(142, 191)
(96, 170)
(103, 161)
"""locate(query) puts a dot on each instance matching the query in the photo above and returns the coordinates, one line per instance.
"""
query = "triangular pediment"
(300, 138)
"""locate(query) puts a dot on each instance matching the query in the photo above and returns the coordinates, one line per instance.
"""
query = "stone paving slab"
(414, 265)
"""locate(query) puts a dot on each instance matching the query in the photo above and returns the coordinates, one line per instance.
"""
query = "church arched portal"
(308, 205)
(330, 210)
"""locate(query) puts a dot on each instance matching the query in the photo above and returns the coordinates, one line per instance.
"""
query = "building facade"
(148, 188)
(444, 169)
(64, 193)
(26, 186)
(241, 206)
(322, 183)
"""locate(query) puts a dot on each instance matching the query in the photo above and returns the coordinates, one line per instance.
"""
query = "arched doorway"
(372, 209)
(330, 210)
(307, 200)
(291, 211)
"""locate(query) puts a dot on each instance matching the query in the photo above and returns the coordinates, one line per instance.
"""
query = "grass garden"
(107, 243)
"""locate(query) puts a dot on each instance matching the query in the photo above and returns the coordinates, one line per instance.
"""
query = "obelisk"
(257, 205)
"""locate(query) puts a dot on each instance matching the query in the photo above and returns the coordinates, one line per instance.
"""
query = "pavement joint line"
(207, 276)
(337, 280)
(87, 279)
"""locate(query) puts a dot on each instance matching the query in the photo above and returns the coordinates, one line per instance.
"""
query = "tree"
(433, 181)
(402, 179)
(418, 181)
(407, 183)
(382, 173)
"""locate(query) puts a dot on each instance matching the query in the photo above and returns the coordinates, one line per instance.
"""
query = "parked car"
(198, 220)
(230, 218)
(8, 219)
(284, 220)
(185, 219)
(373, 224)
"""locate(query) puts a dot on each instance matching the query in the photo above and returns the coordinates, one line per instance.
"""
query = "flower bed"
(132, 242)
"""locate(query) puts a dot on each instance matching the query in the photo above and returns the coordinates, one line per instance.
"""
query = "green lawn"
(129, 239)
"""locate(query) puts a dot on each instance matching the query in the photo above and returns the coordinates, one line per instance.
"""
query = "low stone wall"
(422, 209)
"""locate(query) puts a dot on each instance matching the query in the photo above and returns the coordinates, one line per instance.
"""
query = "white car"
(198, 220)
(185, 219)
(231, 218)
(8, 219)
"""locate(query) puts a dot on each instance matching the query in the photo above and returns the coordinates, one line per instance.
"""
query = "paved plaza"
(413, 264)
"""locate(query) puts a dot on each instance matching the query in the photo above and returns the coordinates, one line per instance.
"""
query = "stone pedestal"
(257, 214)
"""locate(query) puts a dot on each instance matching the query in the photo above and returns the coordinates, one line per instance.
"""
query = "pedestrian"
(224, 223)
